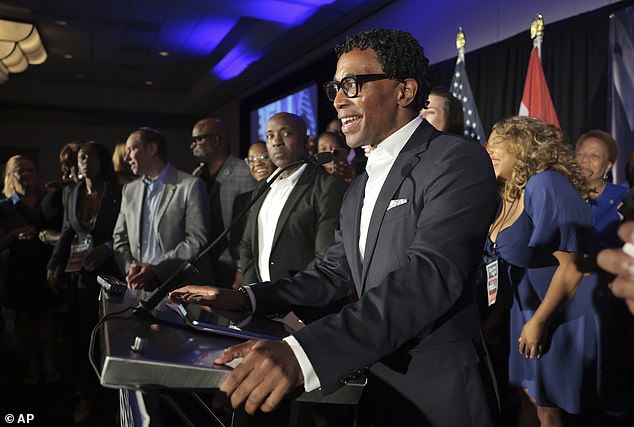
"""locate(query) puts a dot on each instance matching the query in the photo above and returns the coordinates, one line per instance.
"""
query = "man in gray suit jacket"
(226, 177)
(410, 240)
(164, 216)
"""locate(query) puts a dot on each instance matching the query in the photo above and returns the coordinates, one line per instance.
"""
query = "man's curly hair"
(537, 147)
(399, 55)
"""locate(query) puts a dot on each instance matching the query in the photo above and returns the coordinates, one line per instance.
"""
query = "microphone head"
(322, 158)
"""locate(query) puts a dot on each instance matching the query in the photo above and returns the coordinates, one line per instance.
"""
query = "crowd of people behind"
(554, 331)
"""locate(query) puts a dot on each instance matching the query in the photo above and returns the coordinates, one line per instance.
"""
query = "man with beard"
(226, 177)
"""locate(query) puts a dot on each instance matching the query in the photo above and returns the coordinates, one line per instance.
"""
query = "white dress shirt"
(380, 162)
(269, 215)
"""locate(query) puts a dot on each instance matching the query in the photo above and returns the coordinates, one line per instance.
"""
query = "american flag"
(461, 89)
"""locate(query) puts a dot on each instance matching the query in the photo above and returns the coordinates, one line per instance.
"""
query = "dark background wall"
(574, 58)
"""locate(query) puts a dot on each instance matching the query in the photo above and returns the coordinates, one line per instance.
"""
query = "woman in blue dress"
(534, 242)
(596, 153)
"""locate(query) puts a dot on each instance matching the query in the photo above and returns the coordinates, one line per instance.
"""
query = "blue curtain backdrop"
(621, 89)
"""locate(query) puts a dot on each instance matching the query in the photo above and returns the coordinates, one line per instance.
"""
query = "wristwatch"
(247, 298)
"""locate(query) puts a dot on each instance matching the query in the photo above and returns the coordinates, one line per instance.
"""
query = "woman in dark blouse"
(90, 216)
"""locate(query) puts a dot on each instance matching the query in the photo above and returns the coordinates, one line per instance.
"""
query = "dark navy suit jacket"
(414, 325)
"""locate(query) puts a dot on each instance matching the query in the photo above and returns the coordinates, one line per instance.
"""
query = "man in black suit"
(410, 239)
(293, 225)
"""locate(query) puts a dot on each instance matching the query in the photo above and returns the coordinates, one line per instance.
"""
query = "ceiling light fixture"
(164, 53)
(20, 45)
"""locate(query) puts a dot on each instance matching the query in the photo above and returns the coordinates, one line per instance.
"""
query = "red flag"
(536, 100)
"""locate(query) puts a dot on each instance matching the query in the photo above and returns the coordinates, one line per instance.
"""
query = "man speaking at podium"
(410, 239)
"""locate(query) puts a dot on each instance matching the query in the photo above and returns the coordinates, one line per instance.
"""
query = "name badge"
(78, 253)
(492, 281)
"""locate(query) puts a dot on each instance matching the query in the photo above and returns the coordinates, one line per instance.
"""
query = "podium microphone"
(187, 269)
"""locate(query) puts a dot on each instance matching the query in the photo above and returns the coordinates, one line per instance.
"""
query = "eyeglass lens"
(200, 138)
(259, 157)
(350, 85)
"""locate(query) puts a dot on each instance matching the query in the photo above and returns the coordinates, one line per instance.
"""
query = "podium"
(144, 353)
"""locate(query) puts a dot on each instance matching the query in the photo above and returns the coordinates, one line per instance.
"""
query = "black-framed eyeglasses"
(200, 138)
(351, 85)
(257, 158)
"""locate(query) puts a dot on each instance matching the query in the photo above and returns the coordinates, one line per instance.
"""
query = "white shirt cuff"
(251, 295)
(311, 382)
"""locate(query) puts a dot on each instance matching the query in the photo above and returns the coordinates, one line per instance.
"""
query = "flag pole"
(461, 43)
(461, 89)
(536, 99)
(537, 33)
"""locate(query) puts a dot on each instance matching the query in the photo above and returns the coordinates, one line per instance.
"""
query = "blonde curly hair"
(12, 164)
(537, 147)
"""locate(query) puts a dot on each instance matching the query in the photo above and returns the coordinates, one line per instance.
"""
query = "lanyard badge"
(492, 271)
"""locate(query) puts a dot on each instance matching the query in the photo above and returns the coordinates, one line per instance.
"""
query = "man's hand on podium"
(223, 299)
(141, 275)
(268, 372)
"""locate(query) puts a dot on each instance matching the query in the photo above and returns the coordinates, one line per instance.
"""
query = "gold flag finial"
(537, 26)
(461, 42)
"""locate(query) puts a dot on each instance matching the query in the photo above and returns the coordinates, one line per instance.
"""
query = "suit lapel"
(352, 222)
(401, 169)
(136, 210)
(165, 198)
(72, 206)
(255, 246)
(303, 184)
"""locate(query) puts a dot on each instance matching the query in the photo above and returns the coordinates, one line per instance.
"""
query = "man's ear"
(408, 89)
(153, 147)
(608, 169)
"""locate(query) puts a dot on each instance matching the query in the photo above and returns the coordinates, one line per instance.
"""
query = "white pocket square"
(396, 202)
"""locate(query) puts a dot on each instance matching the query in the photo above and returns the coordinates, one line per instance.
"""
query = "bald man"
(226, 177)
(292, 226)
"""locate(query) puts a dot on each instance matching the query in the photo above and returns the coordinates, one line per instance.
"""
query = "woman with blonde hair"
(533, 248)
(25, 292)
(121, 167)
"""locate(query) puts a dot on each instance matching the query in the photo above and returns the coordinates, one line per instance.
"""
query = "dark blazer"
(305, 229)
(414, 325)
(101, 232)
(239, 204)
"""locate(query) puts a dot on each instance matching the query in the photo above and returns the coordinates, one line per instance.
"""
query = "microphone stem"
(166, 286)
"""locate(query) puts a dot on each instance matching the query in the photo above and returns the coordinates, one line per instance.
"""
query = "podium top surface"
(171, 355)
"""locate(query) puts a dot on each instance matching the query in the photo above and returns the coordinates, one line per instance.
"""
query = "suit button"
(272, 262)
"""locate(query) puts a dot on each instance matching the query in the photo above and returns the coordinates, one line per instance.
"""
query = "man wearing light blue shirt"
(164, 216)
